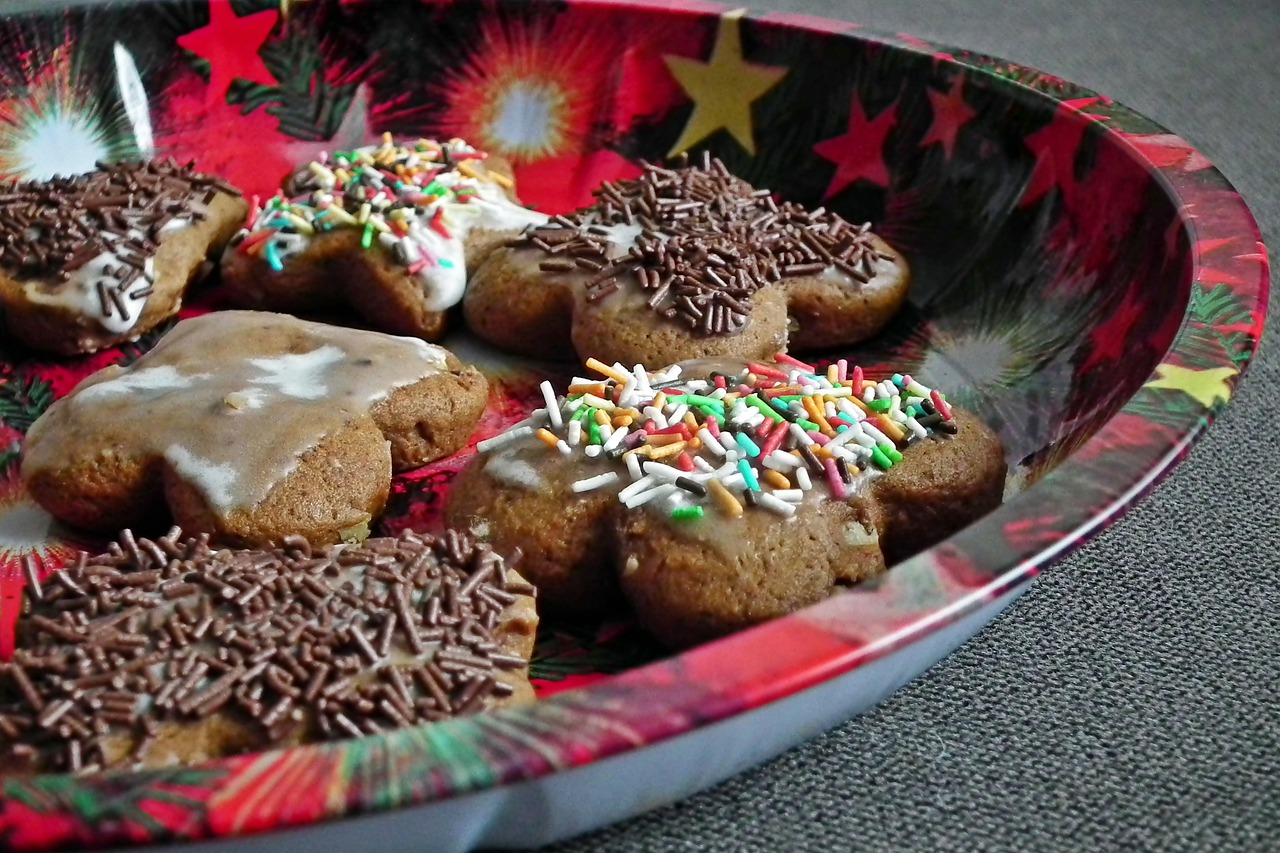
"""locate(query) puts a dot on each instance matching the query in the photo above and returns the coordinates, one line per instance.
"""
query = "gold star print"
(1206, 386)
(722, 88)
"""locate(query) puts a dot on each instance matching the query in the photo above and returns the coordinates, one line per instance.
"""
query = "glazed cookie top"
(87, 242)
(416, 202)
(349, 640)
(721, 437)
(231, 400)
(694, 244)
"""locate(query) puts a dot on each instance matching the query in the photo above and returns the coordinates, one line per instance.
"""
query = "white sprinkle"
(575, 433)
(782, 461)
(869, 394)
(606, 432)
(595, 482)
(573, 405)
(771, 503)
(842, 453)
(677, 414)
(851, 434)
(829, 409)
(592, 450)
(661, 471)
(637, 487)
(617, 437)
(563, 448)
(503, 439)
(788, 495)
(912, 400)
(919, 390)
(727, 442)
(916, 430)
(876, 435)
(800, 435)
(895, 406)
(633, 466)
(628, 392)
(802, 479)
(718, 394)
(644, 497)
(553, 408)
(652, 413)
(642, 380)
(840, 391)
(734, 480)
(709, 442)
(849, 410)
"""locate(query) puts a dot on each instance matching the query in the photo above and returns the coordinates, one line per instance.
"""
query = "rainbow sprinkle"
(413, 201)
(764, 438)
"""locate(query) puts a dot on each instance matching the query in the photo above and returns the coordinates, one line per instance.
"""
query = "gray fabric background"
(1131, 700)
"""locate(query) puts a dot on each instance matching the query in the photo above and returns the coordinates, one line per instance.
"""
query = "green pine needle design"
(563, 651)
(23, 399)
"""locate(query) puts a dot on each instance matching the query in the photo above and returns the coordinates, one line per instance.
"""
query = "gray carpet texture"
(1131, 699)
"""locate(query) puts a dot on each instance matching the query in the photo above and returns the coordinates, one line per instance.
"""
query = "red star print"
(950, 113)
(1055, 146)
(1166, 150)
(1112, 337)
(230, 44)
(859, 153)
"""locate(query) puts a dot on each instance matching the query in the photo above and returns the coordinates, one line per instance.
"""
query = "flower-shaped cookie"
(251, 426)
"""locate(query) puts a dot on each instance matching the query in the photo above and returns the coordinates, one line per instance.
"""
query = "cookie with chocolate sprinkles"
(687, 262)
(94, 260)
(168, 651)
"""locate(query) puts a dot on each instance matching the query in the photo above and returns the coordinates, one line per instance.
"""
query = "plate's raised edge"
(755, 667)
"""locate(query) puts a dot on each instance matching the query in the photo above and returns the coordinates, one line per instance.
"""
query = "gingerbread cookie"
(251, 426)
(91, 261)
(713, 496)
(389, 231)
(167, 652)
(686, 263)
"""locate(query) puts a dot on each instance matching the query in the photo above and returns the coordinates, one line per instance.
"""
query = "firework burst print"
(53, 120)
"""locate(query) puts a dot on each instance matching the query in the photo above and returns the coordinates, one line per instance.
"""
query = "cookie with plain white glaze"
(686, 263)
(159, 666)
(95, 260)
(388, 231)
(706, 521)
(251, 426)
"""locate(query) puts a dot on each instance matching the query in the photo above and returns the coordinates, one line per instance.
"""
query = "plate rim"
(454, 758)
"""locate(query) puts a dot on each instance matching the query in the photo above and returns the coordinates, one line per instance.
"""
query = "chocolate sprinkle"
(345, 640)
(707, 242)
(49, 229)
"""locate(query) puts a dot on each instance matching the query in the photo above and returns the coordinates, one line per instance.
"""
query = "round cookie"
(389, 231)
(251, 426)
(681, 264)
(95, 260)
(715, 495)
(168, 652)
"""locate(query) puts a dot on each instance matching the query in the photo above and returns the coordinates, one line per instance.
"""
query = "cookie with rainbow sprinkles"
(688, 262)
(388, 231)
(717, 494)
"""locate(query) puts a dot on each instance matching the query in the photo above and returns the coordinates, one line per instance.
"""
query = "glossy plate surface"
(1084, 280)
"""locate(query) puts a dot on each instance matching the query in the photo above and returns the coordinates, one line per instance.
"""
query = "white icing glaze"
(444, 275)
(280, 386)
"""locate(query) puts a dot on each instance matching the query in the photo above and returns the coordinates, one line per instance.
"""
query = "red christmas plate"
(1084, 280)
